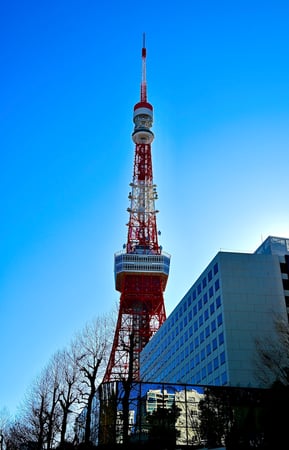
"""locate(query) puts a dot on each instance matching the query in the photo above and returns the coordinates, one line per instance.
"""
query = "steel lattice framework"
(142, 269)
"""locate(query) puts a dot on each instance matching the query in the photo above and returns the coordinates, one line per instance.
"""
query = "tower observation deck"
(142, 268)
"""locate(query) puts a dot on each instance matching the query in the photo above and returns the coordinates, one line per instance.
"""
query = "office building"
(210, 337)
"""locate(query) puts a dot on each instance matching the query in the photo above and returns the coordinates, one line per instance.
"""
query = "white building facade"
(210, 337)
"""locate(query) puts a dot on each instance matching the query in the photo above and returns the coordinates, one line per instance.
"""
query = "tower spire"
(143, 92)
(142, 269)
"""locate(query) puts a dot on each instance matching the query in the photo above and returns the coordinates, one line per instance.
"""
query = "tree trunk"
(88, 417)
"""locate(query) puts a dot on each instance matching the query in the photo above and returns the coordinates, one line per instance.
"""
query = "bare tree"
(273, 369)
(67, 385)
(32, 422)
(18, 435)
(5, 419)
(38, 419)
(68, 389)
(92, 345)
(52, 379)
(272, 362)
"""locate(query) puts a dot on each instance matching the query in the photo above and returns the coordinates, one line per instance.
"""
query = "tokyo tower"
(142, 268)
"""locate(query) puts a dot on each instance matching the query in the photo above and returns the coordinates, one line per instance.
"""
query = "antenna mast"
(143, 93)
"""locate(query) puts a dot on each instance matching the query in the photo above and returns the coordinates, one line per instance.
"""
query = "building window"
(200, 304)
(199, 288)
(218, 302)
(217, 285)
(195, 310)
(216, 363)
(202, 337)
(224, 378)
(213, 325)
(203, 373)
(204, 282)
(210, 367)
(214, 343)
(220, 319)
(207, 331)
(221, 338)
(222, 358)
(206, 314)
(216, 268)
(205, 298)
(211, 292)
(210, 275)
(212, 308)
(201, 320)
(208, 349)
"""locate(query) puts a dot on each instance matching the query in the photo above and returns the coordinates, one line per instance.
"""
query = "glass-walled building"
(155, 411)
(169, 416)
(210, 337)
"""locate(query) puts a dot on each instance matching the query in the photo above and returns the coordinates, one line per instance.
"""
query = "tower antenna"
(143, 92)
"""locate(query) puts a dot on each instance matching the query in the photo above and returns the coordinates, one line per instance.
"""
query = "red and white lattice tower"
(142, 269)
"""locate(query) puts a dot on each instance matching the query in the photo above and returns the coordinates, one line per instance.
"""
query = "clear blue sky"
(218, 77)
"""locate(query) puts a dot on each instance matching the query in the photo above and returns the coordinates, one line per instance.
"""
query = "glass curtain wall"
(175, 415)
